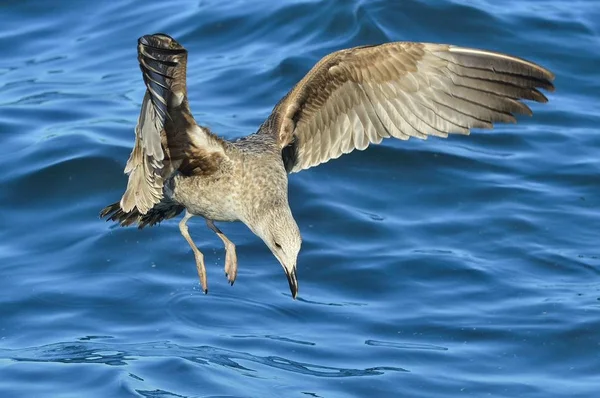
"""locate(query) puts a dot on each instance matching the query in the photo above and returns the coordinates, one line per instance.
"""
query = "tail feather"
(160, 212)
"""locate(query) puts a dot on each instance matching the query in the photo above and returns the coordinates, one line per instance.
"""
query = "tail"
(161, 211)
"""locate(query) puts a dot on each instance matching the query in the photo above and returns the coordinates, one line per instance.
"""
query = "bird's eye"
(277, 245)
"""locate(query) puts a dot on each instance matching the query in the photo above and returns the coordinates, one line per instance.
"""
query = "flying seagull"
(349, 99)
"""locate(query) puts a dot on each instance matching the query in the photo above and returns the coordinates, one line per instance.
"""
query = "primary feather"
(359, 96)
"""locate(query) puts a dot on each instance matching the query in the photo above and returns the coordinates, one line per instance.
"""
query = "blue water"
(440, 268)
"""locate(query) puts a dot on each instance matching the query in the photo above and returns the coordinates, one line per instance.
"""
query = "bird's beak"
(293, 282)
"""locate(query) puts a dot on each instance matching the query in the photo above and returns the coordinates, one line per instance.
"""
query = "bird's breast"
(243, 188)
(212, 197)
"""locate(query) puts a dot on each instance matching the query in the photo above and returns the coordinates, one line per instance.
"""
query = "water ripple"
(477, 254)
(112, 354)
(405, 346)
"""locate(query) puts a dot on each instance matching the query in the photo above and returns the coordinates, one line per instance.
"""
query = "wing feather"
(355, 97)
(167, 138)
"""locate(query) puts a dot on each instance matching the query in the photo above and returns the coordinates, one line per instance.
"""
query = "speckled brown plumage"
(350, 99)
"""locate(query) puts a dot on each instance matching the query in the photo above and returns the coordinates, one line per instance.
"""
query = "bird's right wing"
(355, 97)
(167, 138)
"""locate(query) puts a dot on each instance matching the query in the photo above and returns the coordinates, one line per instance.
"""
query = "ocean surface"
(442, 268)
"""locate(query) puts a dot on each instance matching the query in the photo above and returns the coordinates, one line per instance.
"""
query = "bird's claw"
(230, 265)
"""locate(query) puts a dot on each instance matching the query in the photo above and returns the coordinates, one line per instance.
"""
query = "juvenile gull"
(350, 99)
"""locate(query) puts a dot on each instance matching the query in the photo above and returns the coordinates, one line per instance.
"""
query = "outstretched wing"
(355, 97)
(167, 138)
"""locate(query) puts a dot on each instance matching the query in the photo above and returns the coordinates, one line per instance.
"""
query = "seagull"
(351, 98)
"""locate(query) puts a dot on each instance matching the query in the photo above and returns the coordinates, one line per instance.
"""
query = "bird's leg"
(230, 255)
(199, 256)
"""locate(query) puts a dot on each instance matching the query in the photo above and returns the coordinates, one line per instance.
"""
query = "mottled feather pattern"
(356, 97)
(157, 58)
(349, 100)
(168, 140)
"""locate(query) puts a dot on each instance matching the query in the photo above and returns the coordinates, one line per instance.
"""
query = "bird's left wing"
(167, 138)
(355, 97)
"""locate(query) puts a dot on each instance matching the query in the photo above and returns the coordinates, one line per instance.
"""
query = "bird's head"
(278, 229)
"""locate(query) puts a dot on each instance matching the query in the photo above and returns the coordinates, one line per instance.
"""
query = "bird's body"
(350, 99)
(249, 177)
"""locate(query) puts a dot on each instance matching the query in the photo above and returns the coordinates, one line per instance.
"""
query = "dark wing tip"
(159, 56)
(503, 64)
(161, 41)
(549, 87)
(109, 210)
(114, 212)
(546, 79)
